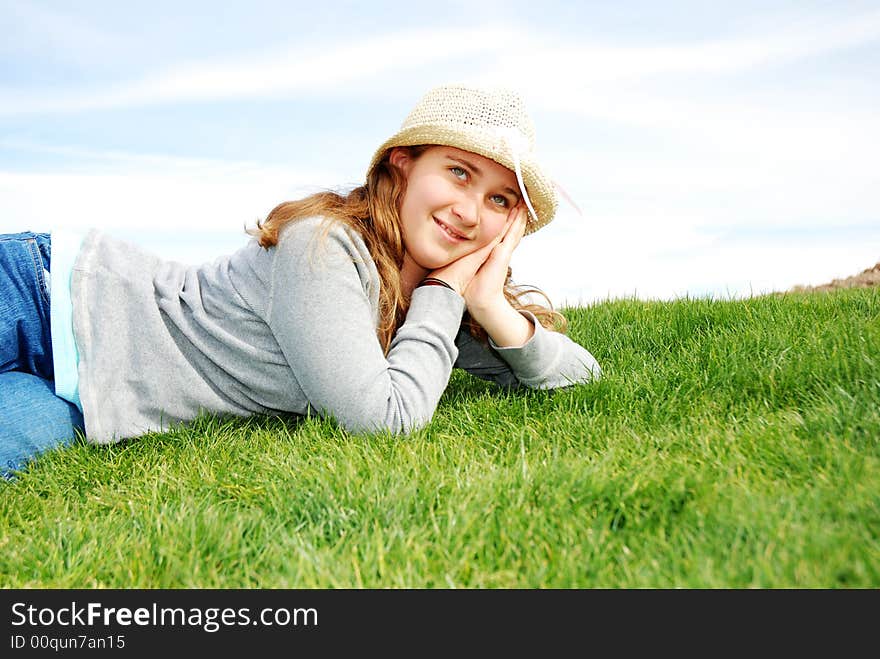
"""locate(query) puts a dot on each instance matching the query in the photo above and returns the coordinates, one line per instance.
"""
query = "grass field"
(730, 444)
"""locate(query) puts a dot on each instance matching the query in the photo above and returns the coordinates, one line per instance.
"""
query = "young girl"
(355, 307)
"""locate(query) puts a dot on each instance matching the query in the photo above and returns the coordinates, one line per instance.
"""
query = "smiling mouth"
(449, 231)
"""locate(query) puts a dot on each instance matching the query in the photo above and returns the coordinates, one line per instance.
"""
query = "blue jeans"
(32, 418)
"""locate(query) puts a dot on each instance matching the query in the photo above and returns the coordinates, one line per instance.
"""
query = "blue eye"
(501, 200)
(458, 172)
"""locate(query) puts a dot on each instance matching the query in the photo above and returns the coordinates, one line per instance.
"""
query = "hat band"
(516, 141)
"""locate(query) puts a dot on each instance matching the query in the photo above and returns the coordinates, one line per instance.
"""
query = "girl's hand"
(486, 288)
(480, 278)
(460, 274)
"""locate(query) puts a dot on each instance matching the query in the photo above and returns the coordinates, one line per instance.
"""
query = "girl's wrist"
(507, 327)
(495, 306)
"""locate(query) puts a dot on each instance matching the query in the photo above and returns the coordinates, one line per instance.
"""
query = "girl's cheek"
(497, 226)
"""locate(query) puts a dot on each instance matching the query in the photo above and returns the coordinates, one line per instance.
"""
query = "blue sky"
(713, 148)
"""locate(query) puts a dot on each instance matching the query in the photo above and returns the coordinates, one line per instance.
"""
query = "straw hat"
(490, 122)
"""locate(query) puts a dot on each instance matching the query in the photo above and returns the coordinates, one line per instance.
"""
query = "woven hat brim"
(539, 187)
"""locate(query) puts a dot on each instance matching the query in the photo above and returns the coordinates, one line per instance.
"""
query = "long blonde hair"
(373, 211)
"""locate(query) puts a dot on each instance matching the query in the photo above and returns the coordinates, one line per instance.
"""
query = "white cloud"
(559, 74)
(605, 258)
(143, 194)
(267, 74)
(39, 30)
(548, 64)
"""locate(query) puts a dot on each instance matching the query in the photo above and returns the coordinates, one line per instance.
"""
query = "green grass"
(730, 444)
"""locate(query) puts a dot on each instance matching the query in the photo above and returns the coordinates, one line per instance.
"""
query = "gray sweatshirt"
(287, 329)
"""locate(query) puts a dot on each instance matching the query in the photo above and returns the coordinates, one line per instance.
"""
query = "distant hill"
(869, 277)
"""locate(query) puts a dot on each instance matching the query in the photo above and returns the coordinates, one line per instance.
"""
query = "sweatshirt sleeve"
(548, 360)
(323, 314)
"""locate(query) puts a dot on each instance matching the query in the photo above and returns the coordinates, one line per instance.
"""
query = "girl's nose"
(468, 210)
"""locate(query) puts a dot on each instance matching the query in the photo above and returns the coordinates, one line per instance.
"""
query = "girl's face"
(455, 203)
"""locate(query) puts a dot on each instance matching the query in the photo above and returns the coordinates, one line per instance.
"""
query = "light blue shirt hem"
(65, 357)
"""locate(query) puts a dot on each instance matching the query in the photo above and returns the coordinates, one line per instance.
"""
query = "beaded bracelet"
(433, 281)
